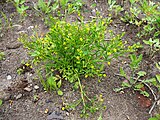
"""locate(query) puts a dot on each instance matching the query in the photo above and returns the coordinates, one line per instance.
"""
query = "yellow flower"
(109, 63)
(102, 22)
(99, 81)
(86, 76)
(63, 108)
(111, 21)
(101, 100)
(115, 50)
(77, 57)
(110, 15)
(100, 95)
(104, 75)
(81, 39)
(27, 64)
(69, 34)
(64, 43)
(92, 66)
(108, 53)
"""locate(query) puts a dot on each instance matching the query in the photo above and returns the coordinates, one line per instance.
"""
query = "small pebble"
(67, 113)
(9, 77)
(30, 27)
(158, 102)
(27, 89)
(46, 111)
(18, 96)
(36, 87)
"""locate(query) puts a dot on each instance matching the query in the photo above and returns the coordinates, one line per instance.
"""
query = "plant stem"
(81, 90)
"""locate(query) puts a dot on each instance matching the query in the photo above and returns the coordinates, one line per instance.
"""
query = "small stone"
(67, 113)
(46, 111)
(9, 77)
(158, 102)
(55, 115)
(17, 26)
(13, 45)
(30, 27)
(4, 95)
(27, 89)
(18, 96)
(36, 87)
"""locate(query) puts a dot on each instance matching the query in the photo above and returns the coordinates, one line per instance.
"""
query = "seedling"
(1, 102)
(21, 8)
(113, 7)
(2, 56)
(134, 80)
(154, 45)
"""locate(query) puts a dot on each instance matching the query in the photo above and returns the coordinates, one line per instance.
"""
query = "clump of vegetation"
(71, 51)
(135, 80)
(145, 14)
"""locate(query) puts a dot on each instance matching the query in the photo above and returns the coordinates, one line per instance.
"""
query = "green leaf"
(153, 118)
(60, 92)
(122, 72)
(148, 42)
(139, 86)
(144, 93)
(1, 102)
(118, 89)
(158, 77)
(100, 117)
(76, 85)
(149, 80)
(126, 84)
(35, 53)
(51, 82)
(59, 83)
(141, 73)
(22, 1)
(158, 65)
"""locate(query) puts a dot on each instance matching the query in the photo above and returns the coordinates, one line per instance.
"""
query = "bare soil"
(19, 104)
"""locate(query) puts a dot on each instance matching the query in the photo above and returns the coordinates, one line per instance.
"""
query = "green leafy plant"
(145, 14)
(134, 80)
(154, 45)
(157, 117)
(46, 7)
(7, 23)
(71, 51)
(21, 8)
(114, 8)
(130, 81)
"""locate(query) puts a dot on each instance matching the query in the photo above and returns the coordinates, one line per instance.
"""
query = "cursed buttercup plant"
(74, 51)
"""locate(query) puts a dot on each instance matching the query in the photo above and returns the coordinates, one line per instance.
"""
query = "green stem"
(82, 94)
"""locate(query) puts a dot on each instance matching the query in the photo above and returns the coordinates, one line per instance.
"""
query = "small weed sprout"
(21, 8)
(2, 55)
(135, 80)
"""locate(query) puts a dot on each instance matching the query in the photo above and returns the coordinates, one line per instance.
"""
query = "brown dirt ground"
(119, 106)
